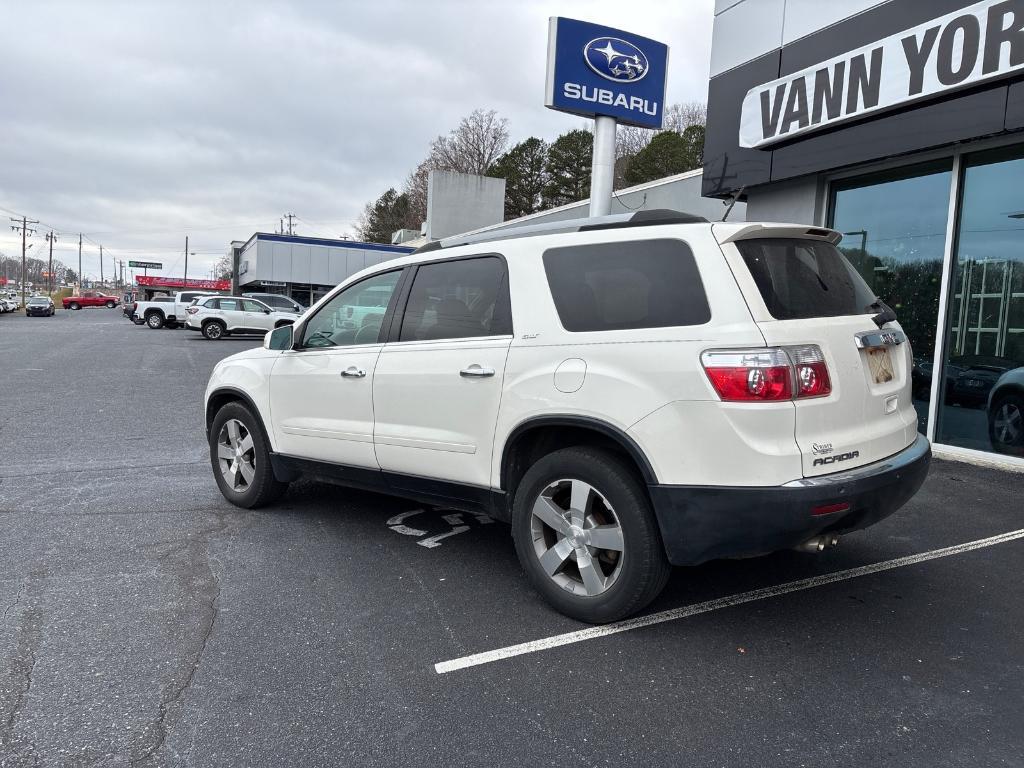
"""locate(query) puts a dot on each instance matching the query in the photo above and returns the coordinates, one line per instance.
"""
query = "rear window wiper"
(885, 312)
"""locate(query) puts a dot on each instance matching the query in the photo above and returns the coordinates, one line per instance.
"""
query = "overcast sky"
(140, 122)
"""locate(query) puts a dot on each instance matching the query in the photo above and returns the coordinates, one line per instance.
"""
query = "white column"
(602, 175)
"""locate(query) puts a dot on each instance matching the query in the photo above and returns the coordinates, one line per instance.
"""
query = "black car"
(40, 306)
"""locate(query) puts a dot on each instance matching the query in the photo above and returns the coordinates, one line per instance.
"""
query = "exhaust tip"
(818, 543)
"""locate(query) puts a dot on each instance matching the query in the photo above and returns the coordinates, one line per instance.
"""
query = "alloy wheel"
(1009, 424)
(577, 537)
(236, 455)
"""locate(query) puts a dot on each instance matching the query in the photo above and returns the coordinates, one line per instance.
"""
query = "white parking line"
(592, 633)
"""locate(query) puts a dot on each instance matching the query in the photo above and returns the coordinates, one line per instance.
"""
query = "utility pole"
(79, 262)
(52, 237)
(25, 232)
(113, 263)
(101, 266)
(291, 229)
(186, 261)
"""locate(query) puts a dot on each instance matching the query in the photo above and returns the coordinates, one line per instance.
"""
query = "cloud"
(141, 122)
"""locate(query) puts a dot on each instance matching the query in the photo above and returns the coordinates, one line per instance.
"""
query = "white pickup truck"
(163, 313)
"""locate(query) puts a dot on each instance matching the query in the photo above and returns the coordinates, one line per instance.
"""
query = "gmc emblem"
(833, 459)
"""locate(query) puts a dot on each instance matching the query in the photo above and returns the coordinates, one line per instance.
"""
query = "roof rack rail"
(648, 218)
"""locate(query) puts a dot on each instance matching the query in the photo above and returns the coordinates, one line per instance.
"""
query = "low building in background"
(304, 268)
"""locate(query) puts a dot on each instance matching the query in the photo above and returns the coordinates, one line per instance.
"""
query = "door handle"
(476, 371)
(353, 373)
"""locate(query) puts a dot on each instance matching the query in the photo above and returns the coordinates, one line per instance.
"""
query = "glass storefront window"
(982, 400)
(894, 233)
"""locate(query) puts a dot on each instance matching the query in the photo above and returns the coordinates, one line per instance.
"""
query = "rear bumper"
(700, 523)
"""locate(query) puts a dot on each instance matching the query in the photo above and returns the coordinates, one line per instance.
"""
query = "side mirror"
(266, 311)
(279, 338)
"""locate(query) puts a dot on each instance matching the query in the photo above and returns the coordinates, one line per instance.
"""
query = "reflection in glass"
(982, 401)
(894, 232)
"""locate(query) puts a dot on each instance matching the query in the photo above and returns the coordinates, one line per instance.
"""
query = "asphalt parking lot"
(147, 622)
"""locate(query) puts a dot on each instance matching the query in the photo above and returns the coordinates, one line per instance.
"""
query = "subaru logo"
(615, 59)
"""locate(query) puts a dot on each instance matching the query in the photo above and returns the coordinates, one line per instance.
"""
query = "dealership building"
(901, 125)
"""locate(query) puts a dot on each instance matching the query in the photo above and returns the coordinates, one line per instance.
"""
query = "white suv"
(628, 392)
(219, 316)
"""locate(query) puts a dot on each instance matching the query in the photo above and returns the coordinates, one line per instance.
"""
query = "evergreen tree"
(522, 167)
(383, 217)
(668, 153)
(568, 168)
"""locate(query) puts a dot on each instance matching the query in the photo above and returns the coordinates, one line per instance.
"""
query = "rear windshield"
(805, 278)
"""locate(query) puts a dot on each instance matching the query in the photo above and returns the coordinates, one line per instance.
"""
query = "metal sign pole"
(602, 173)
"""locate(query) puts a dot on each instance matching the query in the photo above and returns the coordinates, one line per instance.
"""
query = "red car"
(90, 299)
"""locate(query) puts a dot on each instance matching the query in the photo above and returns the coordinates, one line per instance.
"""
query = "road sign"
(146, 264)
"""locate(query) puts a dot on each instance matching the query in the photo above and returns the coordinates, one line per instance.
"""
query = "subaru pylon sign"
(595, 70)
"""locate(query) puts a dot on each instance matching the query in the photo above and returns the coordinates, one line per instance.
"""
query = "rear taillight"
(811, 373)
(776, 373)
(192, 310)
(749, 374)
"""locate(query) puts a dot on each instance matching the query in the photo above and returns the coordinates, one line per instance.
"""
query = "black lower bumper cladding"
(700, 523)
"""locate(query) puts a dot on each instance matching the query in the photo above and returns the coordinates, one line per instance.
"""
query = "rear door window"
(800, 279)
(627, 285)
(458, 299)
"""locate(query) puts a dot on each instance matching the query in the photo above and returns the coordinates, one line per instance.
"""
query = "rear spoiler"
(730, 233)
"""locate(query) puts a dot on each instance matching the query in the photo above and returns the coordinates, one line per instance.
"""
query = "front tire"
(586, 535)
(74, 305)
(1006, 425)
(155, 321)
(240, 456)
(213, 330)
(111, 305)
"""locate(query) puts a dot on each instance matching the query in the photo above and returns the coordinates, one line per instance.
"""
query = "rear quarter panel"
(646, 382)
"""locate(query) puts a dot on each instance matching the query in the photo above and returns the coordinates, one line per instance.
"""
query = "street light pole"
(51, 236)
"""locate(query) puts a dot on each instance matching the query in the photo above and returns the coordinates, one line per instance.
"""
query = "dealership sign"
(978, 43)
(146, 264)
(173, 282)
(599, 71)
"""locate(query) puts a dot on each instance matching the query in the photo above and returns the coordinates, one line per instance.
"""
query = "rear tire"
(557, 506)
(213, 330)
(240, 457)
(155, 321)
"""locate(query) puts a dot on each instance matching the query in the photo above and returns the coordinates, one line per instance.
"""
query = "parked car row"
(216, 315)
(37, 305)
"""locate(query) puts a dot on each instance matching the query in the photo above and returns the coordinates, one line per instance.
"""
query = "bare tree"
(472, 147)
(679, 117)
(416, 190)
